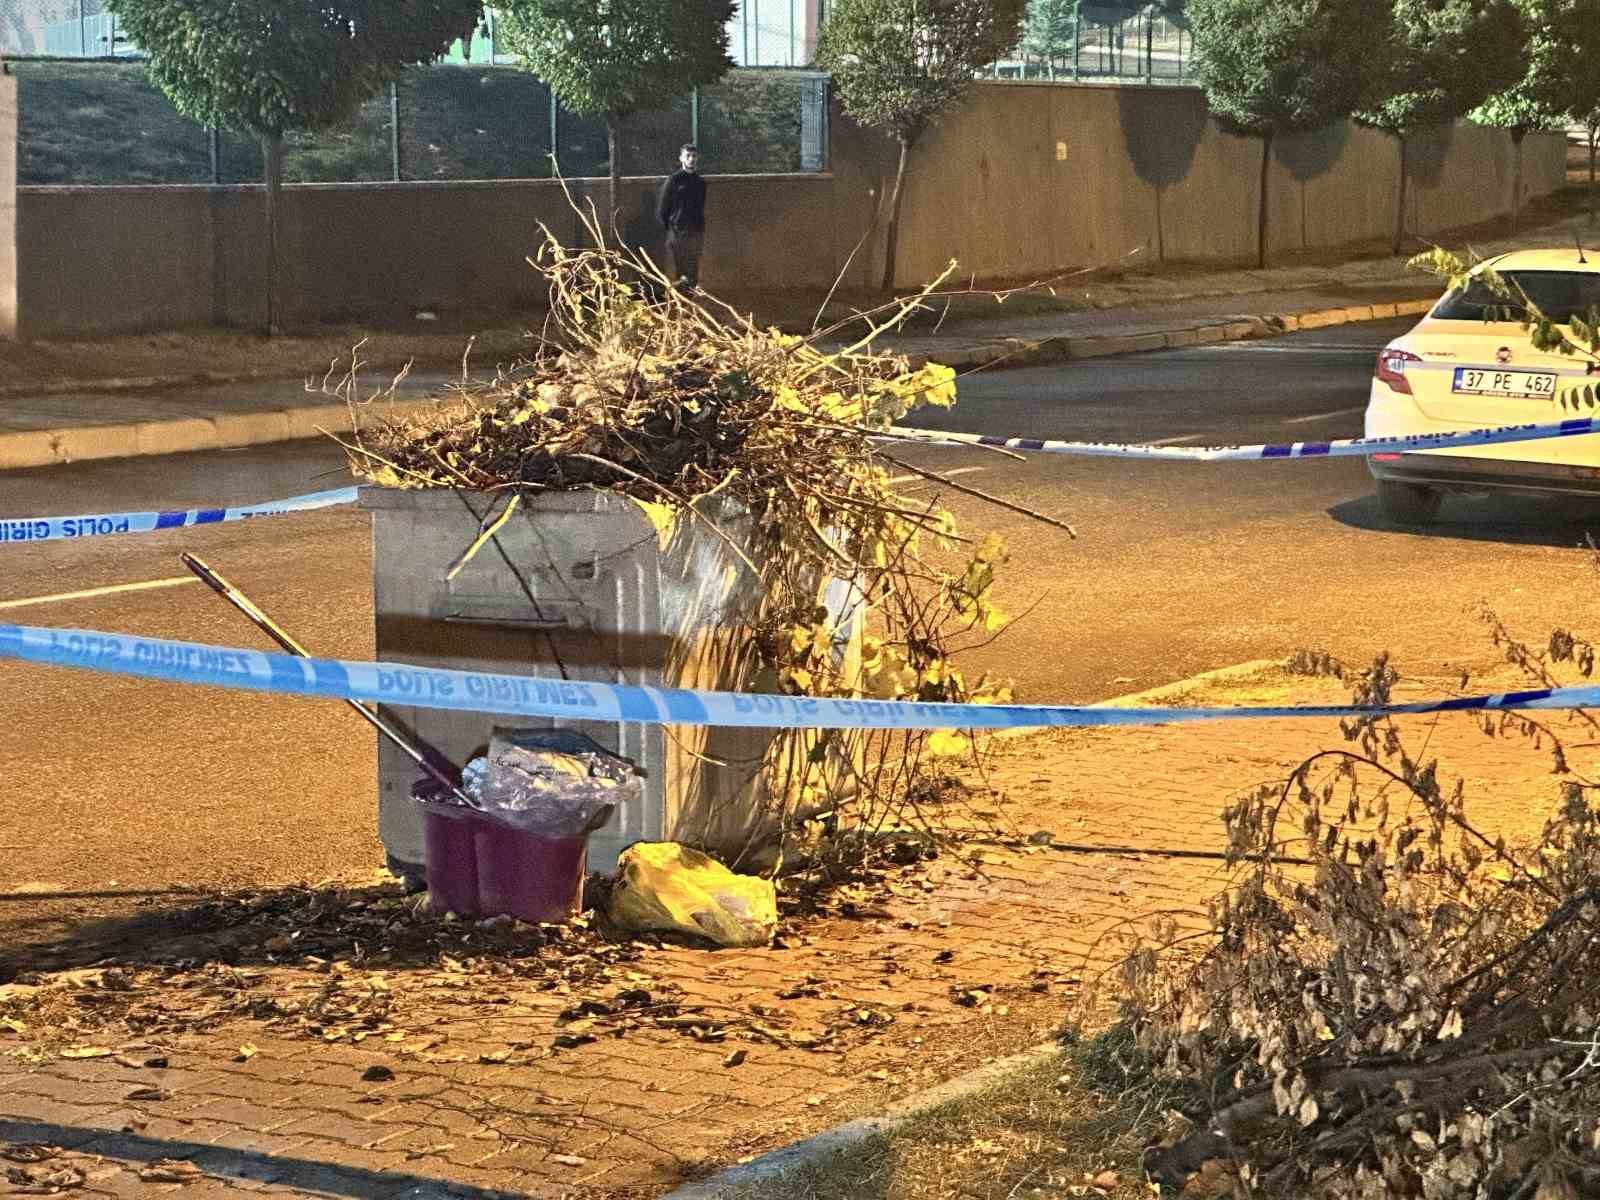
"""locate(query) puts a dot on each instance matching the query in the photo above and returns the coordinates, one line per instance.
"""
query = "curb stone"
(1024, 352)
(227, 431)
(843, 1138)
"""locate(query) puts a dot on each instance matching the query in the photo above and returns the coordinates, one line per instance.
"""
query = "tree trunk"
(608, 226)
(1594, 131)
(1516, 176)
(891, 237)
(272, 173)
(1400, 206)
(1261, 194)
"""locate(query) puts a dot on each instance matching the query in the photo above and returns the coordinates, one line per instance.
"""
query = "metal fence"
(94, 36)
(104, 123)
(1110, 43)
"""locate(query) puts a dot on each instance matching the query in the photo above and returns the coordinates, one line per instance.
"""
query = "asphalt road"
(113, 784)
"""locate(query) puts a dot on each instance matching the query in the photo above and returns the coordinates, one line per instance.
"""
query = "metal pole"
(439, 772)
(394, 130)
(214, 145)
(694, 116)
(791, 33)
(1077, 36)
(555, 127)
(83, 32)
(1149, 46)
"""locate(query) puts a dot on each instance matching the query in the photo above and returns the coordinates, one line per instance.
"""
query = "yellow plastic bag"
(664, 887)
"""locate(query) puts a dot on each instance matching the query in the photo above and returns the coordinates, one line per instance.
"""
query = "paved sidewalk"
(332, 1044)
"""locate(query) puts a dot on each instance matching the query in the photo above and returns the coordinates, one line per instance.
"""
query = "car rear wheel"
(1408, 503)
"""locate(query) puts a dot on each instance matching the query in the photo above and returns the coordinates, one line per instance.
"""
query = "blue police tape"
(1342, 448)
(46, 529)
(529, 696)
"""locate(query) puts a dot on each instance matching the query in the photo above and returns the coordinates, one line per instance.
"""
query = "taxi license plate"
(1472, 381)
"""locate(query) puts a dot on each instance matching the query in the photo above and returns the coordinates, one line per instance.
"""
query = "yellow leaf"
(949, 743)
(662, 517)
(87, 1052)
(246, 1052)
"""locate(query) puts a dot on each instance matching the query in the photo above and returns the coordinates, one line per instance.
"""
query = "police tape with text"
(533, 696)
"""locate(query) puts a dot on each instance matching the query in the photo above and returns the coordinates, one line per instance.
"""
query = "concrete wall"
(1024, 181)
(1034, 177)
(8, 205)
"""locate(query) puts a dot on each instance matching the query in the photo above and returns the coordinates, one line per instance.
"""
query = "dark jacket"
(682, 203)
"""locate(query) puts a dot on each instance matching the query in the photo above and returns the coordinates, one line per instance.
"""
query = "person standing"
(682, 210)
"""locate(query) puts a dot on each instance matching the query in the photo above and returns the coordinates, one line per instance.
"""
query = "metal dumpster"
(577, 585)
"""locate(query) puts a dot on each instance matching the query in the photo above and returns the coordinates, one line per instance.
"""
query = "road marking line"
(90, 593)
(924, 479)
(1343, 412)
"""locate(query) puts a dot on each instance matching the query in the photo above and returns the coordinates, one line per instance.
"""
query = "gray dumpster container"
(595, 597)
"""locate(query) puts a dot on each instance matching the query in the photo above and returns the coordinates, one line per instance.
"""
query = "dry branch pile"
(1389, 1002)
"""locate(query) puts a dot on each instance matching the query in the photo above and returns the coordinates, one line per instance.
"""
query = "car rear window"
(1559, 295)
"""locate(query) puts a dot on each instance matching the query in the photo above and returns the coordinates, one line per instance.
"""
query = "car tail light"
(1392, 368)
(1384, 457)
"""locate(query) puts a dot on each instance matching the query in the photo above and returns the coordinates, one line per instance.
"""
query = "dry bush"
(1389, 1002)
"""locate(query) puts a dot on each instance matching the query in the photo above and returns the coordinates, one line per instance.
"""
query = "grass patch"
(1074, 1126)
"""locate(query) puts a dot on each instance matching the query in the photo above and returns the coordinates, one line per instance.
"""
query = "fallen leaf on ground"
(170, 1171)
(1107, 1180)
(1216, 1180)
(246, 1052)
(495, 1056)
(31, 1152)
(439, 1148)
(44, 1183)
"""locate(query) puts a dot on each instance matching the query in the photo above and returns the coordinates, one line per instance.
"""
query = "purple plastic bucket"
(449, 844)
(526, 876)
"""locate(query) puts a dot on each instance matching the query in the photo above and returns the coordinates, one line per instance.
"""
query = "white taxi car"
(1460, 369)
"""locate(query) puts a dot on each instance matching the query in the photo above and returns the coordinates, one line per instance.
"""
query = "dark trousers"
(685, 246)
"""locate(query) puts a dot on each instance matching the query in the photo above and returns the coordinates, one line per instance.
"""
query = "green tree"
(901, 64)
(1051, 32)
(1545, 93)
(266, 67)
(1574, 51)
(1271, 67)
(611, 58)
(1441, 59)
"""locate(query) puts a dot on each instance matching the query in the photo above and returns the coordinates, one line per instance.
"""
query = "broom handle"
(274, 631)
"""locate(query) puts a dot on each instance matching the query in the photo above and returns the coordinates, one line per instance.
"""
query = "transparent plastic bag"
(554, 783)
